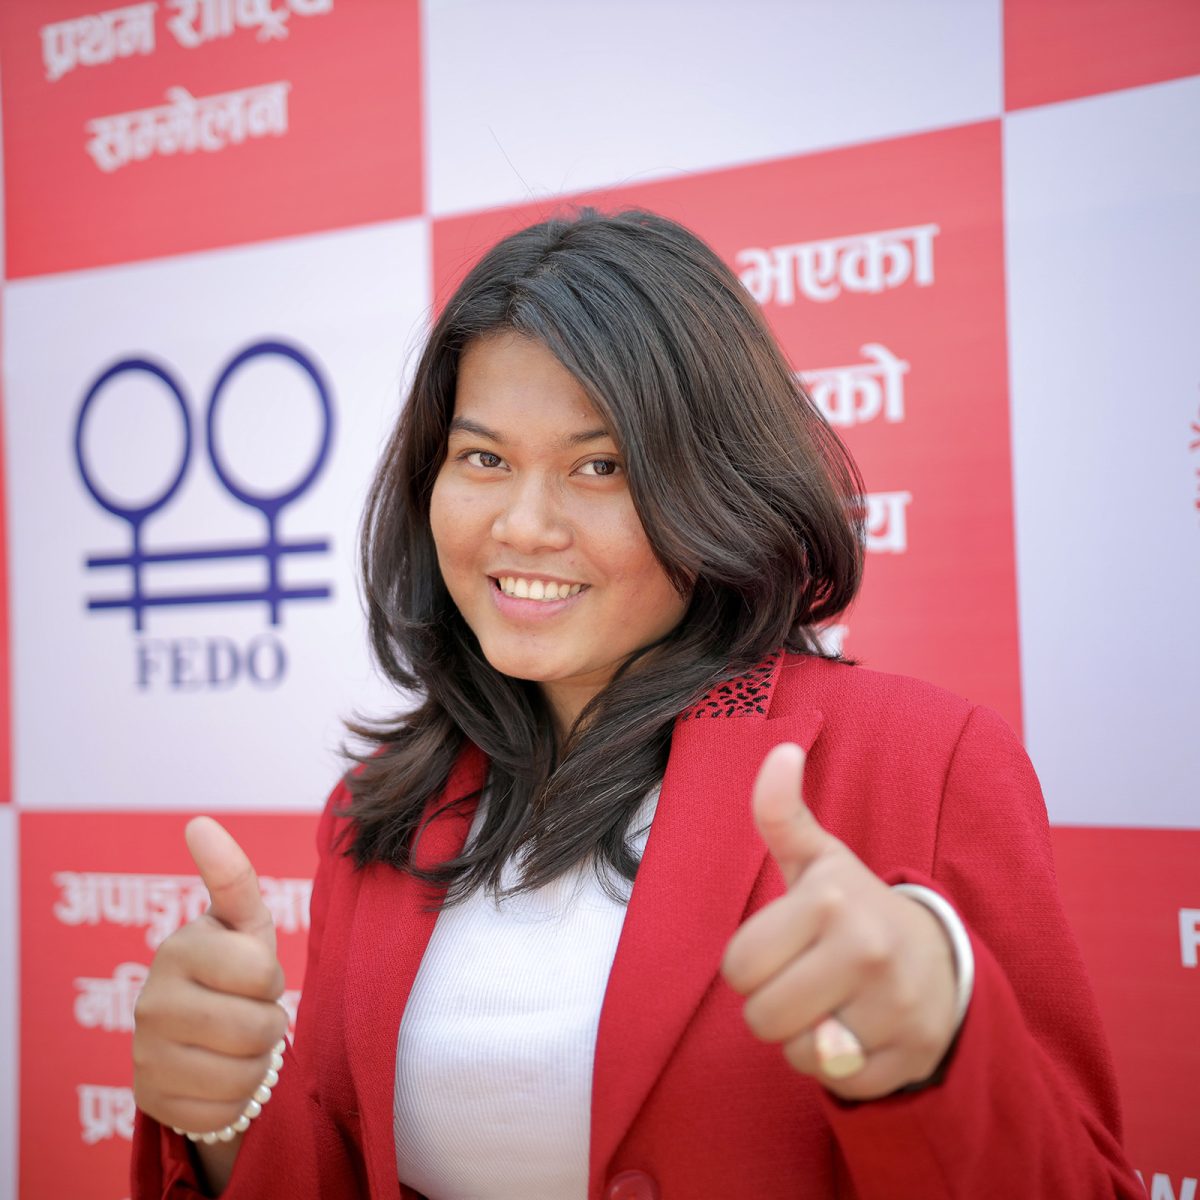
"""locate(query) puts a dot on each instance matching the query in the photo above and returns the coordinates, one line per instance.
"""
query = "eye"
(604, 467)
(483, 458)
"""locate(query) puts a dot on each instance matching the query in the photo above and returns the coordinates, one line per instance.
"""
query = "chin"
(523, 664)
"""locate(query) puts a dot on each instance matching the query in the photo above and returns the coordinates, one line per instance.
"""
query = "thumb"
(793, 835)
(230, 879)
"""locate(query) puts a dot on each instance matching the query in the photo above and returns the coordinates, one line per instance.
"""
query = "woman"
(649, 896)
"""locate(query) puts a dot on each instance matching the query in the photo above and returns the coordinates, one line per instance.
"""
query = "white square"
(1103, 246)
(538, 97)
(188, 713)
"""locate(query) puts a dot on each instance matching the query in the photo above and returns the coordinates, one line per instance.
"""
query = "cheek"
(668, 605)
(461, 526)
(639, 571)
(450, 522)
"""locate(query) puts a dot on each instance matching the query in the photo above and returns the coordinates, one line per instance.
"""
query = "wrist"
(959, 939)
(964, 971)
(213, 1164)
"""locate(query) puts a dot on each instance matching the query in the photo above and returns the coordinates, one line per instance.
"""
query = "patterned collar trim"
(748, 695)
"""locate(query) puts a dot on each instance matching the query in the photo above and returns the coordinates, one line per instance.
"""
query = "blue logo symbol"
(271, 549)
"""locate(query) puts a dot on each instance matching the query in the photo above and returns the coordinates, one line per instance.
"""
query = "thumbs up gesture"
(207, 1020)
(856, 981)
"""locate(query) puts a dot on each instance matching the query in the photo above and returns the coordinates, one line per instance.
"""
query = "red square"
(215, 162)
(943, 607)
(1133, 897)
(96, 890)
(1061, 49)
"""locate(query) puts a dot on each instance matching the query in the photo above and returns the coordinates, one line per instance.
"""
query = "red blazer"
(686, 1103)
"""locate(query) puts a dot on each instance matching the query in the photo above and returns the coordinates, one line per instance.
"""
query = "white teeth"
(537, 589)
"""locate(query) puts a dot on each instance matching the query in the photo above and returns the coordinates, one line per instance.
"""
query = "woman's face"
(537, 537)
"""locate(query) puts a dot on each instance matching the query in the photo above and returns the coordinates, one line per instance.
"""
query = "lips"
(527, 608)
(540, 588)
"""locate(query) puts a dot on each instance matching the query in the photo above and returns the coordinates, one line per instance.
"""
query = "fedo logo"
(193, 663)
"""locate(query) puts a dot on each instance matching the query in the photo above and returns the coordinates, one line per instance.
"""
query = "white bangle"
(253, 1107)
(960, 942)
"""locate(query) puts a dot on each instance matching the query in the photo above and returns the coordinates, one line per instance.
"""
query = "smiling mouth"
(545, 590)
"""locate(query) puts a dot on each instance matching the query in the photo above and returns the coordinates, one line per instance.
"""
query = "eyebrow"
(466, 425)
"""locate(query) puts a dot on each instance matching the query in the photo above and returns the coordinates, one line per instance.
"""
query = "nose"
(532, 517)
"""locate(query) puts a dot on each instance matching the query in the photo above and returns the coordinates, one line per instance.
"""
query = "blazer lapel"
(393, 921)
(699, 866)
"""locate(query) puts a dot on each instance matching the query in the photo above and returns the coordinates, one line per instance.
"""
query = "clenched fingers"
(192, 1073)
(191, 1015)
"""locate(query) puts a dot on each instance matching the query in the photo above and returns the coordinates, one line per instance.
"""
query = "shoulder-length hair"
(747, 497)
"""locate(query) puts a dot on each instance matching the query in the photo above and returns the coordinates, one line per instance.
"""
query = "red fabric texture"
(923, 787)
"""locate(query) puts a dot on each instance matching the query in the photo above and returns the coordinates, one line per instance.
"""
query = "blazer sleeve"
(1026, 1104)
(292, 1148)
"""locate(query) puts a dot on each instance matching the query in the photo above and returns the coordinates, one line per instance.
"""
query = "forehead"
(507, 377)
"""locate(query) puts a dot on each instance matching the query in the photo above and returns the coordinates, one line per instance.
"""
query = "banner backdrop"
(973, 226)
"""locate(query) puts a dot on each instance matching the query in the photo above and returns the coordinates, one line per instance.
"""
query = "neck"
(564, 703)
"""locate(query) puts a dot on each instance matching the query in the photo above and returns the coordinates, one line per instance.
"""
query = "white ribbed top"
(494, 1058)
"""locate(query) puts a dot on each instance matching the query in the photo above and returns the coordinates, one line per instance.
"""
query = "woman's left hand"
(839, 942)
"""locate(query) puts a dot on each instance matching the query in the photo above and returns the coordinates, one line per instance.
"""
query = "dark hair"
(747, 497)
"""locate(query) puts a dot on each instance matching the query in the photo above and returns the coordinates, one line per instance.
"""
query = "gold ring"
(839, 1052)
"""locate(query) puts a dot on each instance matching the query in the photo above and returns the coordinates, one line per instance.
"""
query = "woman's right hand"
(207, 1020)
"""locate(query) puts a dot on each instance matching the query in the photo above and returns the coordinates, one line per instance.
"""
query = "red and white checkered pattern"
(973, 226)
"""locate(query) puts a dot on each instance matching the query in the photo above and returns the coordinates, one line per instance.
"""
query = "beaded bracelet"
(254, 1106)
